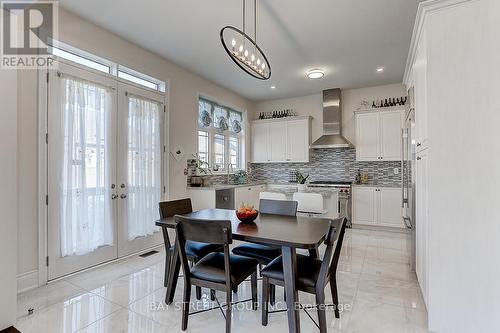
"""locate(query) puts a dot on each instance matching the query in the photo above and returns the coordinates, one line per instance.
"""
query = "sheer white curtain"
(143, 165)
(86, 216)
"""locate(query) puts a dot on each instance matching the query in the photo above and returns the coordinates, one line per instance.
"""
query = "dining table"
(288, 232)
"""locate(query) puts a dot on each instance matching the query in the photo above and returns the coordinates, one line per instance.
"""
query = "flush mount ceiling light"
(315, 74)
(244, 50)
(380, 69)
(273, 87)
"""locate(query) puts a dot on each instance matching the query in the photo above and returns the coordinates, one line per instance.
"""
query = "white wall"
(8, 197)
(184, 87)
(464, 119)
(312, 105)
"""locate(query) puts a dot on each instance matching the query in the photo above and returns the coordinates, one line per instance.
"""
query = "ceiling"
(349, 39)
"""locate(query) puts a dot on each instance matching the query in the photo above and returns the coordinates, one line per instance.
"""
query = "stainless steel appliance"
(224, 198)
(332, 122)
(345, 202)
(408, 176)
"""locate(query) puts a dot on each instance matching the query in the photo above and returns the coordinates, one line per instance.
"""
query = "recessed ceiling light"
(273, 87)
(380, 69)
(315, 74)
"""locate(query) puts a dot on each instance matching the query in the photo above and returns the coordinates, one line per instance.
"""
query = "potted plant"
(301, 181)
(201, 168)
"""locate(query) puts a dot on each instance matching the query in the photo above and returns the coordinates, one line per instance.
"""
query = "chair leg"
(265, 300)
(168, 260)
(212, 294)
(272, 294)
(320, 302)
(335, 296)
(229, 308)
(254, 290)
(235, 289)
(198, 289)
(185, 304)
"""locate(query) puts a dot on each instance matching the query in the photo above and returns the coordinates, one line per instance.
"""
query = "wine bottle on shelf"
(373, 105)
(385, 103)
(393, 102)
(381, 104)
(404, 102)
(397, 101)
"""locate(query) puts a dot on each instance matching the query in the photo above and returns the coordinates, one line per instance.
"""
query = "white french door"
(104, 169)
(139, 170)
(81, 170)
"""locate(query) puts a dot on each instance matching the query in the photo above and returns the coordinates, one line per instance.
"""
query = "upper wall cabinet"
(282, 140)
(378, 135)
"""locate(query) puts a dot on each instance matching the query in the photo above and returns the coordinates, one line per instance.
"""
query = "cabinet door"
(390, 135)
(367, 136)
(390, 207)
(363, 205)
(297, 141)
(421, 224)
(260, 143)
(420, 86)
(247, 195)
(277, 141)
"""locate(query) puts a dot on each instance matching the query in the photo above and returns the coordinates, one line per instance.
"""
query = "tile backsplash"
(325, 164)
(329, 164)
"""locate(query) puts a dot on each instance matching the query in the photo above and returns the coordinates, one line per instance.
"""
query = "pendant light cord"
(255, 21)
(244, 15)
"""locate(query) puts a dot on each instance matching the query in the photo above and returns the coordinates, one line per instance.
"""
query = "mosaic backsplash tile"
(325, 164)
(329, 164)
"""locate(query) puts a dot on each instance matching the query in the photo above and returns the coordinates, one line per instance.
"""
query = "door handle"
(123, 196)
(114, 196)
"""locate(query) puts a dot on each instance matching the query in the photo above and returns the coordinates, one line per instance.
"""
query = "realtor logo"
(27, 28)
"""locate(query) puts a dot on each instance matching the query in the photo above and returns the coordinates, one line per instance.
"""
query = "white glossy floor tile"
(377, 293)
(69, 315)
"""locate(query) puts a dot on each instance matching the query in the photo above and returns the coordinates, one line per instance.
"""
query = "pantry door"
(81, 170)
(140, 155)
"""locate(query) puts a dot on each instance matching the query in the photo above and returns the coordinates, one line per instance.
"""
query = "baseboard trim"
(27, 281)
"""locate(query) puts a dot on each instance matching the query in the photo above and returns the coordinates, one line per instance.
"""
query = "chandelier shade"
(245, 52)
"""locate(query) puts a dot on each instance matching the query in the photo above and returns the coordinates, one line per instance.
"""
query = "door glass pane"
(143, 165)
(219, 158)
(86, 212)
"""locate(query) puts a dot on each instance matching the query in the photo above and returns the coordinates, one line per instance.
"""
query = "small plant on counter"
(301, 179)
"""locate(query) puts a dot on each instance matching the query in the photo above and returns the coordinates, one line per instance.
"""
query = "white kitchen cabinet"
(378, 135)
(297, 138)
(422, 183)
(367, 136)
(278, 141)
(281, 140)
(260, 143)
(248, 195)
(363, 205)
(419, 75)
(202, 198)
(377, 206)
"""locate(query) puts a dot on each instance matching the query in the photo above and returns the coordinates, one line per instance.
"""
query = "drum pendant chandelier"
(244, 50)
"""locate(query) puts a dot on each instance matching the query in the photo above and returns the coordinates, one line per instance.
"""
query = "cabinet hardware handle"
(122, 185)
(123, 196)
(419, 158)
(114, 196)
(418, 144)
(113, 186)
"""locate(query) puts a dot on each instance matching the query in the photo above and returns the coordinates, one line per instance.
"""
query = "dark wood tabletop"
(291, 231)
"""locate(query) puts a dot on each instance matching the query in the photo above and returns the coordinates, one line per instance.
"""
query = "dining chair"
(312, 275)
(218, 270)
(194, 250)
(309, 203)
(266, 253)
(272, 196)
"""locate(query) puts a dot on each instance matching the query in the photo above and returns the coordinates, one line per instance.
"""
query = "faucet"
(229, 166)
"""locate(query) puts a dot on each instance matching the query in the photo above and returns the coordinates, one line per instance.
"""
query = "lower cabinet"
(377, 206)
(248, 195)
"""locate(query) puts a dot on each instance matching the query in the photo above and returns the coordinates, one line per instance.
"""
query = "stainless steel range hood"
(332, 122)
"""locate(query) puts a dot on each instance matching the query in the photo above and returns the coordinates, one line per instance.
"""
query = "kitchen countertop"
(377, 185)
(225, 186)
(290, 190)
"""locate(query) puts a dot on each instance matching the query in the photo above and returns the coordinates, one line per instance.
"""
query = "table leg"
(168, 255)
(173, 275)
(290, 276)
